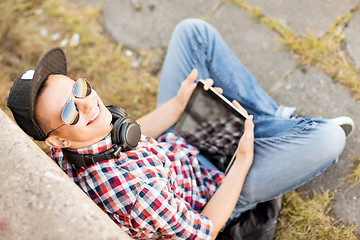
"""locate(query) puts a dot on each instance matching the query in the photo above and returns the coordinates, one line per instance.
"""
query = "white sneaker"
(346, 123)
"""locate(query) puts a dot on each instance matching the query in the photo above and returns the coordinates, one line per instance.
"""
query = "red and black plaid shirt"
(155, 191)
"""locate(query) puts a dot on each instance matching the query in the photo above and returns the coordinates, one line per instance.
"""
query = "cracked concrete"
(303, 16)
(260, 49)
(250, 40)
(352, 40)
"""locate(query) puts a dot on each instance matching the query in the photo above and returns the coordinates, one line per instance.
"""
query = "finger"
(238, 106)
(249, 129)
(218, 90)
(192, 76)
(208, 83)
(249, 124)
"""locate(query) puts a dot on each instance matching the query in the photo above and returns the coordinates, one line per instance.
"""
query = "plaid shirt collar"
(96, 148)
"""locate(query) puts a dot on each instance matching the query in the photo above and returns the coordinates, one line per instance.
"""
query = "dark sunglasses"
(70, 112)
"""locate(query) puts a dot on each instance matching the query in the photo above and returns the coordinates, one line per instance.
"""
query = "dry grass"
(28, 28)
(324, 53)
(308, 218)
(353, 178)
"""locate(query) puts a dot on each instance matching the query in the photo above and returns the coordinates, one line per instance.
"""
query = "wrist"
(179, 104)
(244, 161)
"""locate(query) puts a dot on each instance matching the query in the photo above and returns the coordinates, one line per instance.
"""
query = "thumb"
(192, 76)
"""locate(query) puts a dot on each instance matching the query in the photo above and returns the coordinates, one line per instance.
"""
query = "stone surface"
(150, 26)
(259, 48)
(37, 199)
(346, 204)
(303, 15)
(352, 39)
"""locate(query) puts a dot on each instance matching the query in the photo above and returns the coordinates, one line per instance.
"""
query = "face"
(94, 118)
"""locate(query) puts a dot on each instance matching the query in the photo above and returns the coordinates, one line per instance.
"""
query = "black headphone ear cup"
(116, 112)
(115, 136)
(126, 133)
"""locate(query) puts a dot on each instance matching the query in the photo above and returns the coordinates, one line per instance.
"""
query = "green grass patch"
(304, 217)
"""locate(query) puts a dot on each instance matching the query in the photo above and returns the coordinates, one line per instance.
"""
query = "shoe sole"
(346, 123)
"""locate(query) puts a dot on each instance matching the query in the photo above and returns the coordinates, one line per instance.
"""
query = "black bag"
(255, 224)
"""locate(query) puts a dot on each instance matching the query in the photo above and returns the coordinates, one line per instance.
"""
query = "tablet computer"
(211, 123)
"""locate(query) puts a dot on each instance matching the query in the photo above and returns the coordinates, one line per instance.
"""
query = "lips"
(96, 115)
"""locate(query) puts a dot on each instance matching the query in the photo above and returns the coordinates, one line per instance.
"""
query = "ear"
(57, 142)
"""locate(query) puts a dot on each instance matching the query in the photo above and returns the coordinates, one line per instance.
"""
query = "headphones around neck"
(125, 135)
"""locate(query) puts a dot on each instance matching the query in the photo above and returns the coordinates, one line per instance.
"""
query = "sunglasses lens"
(70, 114)
(82, 88)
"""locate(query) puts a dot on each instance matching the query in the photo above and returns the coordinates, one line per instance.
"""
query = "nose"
(85, 105)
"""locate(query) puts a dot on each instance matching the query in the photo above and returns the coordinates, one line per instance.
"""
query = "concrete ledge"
(38, 200)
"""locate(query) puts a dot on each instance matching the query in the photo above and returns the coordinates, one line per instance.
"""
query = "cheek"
(103, 125)
(107, 117)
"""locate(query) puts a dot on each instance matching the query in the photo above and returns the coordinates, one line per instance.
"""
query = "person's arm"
(162, 118)
(158, 121)
(223, 202)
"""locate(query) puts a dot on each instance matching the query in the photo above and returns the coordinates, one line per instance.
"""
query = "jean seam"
(235, 93)
(310, 124)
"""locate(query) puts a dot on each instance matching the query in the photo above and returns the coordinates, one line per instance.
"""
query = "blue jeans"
(287, 152)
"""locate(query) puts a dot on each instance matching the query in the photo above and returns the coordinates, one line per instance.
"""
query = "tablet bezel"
(216, 96)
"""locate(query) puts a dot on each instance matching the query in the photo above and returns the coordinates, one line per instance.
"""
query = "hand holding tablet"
(213, 124)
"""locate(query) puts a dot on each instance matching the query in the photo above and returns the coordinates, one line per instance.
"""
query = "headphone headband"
(83, 160)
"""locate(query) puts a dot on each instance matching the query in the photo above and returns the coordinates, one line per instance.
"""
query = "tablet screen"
(212, 124)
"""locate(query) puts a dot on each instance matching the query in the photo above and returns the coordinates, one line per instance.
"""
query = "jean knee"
(331, 140)
(284, 163)
(189, 23)
(193, 27)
